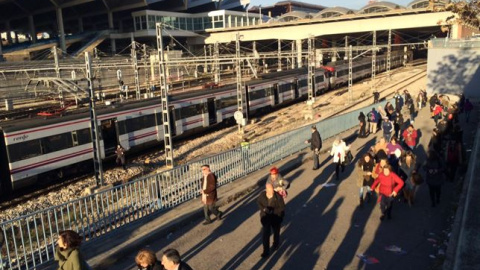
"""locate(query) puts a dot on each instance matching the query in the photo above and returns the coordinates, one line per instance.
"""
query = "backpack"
(371, 117)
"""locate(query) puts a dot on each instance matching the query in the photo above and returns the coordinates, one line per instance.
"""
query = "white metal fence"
(29, 241)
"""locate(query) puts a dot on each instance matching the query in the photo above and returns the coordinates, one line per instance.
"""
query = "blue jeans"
(361, 190)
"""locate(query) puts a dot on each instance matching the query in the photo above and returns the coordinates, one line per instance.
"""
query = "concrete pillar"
(111, 26)
(80, 24)
(61, 31)
(32, 29)
(299, 53)
(9, 32)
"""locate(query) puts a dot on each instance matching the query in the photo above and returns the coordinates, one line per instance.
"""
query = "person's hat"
(274, 170)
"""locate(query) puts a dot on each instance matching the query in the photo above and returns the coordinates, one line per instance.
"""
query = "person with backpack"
(390, 184)
(372, 120)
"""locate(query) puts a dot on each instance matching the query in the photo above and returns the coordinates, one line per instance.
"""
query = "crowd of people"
(388, 170)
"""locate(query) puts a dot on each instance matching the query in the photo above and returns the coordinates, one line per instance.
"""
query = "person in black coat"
(272, 210)
(316, 145)
(434, 170)
(362, 133)
(171, 260)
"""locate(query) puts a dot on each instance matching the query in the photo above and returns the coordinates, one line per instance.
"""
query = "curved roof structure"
(293, 16)
(333, 12)
(378, 7)
(423, 3)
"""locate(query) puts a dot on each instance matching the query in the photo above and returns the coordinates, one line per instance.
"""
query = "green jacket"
(70, 259)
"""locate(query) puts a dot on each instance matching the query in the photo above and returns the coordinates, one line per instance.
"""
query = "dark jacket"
(387, 127)
(434, 169)
(316, 141)
(211, 190)
(184, 266)
(276, 208)
(70, 259)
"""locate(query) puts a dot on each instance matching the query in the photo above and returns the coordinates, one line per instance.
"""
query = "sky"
(352, 4)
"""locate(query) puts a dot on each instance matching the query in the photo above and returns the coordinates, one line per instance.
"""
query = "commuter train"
(40, 149)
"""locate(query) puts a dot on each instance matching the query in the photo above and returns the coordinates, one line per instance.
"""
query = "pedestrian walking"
(434, 176)
(437, 113)
(435, 141)
(376, 97)
(280, 185)
(394, 152)
(411, 110)
(468, 107)
(146, 260)
(365, 168)
(398, 101)
(372, 120)
(380, 149)
(120, 152)
(397, 125)
(381, 115)
(272, 211)
(315, 146)
(389, 110)
(453, 158)
(419, 100)
(410, 137)
(362, 122)
(171, 260)
(245, 146)
(67, 252)
(433, 101)
(387, 128)
(209, 195)
(408, 169)
(339, 151)
(390, 184)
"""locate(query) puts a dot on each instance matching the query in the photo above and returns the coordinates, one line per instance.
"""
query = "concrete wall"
(454, 71)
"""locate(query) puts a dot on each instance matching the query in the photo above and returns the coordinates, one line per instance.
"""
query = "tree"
(468, 12)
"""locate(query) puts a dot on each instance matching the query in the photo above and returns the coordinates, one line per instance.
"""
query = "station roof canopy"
(294, 15)
(377, 7)
(333, 12)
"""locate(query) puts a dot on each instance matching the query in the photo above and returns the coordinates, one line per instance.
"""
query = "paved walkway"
(324, 228)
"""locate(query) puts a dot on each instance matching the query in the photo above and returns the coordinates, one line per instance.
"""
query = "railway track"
(31, 194)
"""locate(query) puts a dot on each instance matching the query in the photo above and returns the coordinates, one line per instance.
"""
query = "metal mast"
(389, 52)
(374, 60)
(311, 69)
(350, 76)
(167, 134)
(135, 69)
(216, 55)
(279, 55)
(147, 71)
(241, 128)
(97, 158)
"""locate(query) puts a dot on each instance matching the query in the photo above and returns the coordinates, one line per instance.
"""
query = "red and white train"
(39, 149)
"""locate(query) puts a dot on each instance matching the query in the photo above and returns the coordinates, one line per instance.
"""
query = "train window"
(74, 138)
(320, 78)
(226, 102)
(57, 142)
(257, 94)
(84, 136)
(121, 127)
(285, 87)
(192, 110)
(139, 123)
(302, 83)
(24, 150)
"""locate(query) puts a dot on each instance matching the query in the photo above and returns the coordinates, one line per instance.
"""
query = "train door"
(295, 88)
(173, 124)
(276, 99)
(212, 112)
(109, 136)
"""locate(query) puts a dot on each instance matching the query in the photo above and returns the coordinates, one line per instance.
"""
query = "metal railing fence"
(29, 241)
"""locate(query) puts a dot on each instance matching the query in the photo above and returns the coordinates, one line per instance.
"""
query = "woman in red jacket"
(410, 137)
(390, 185)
